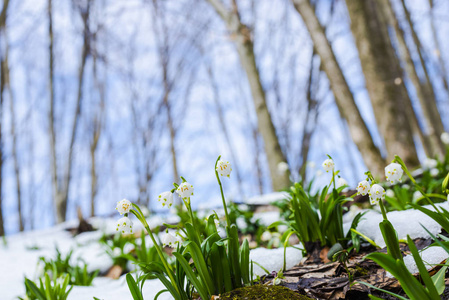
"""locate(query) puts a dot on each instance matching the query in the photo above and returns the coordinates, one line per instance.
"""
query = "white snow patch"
(266, 199)
(273, 259)
(430, 256)
(406, 222)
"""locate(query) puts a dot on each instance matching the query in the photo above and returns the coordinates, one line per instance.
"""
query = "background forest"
(102, 100)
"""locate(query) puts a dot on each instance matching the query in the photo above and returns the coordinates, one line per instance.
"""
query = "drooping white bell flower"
(434, 172)
(394, 172)
(266, 236)
(328, 165)
(224, 168)
(282, 167)
(390, 193)
(123, 206)
(363, 188)
(166, 198)
(430, 163)
(125, 225)
(341, 182)
(445, 138)
(376, 193)
(170, 240)
(185, 190)
(416, 196)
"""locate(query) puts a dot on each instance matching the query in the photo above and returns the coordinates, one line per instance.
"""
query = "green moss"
(262, 292)
(358, 271)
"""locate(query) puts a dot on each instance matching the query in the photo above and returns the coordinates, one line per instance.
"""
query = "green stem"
(382, 209)
(228, 220)
(156, 245)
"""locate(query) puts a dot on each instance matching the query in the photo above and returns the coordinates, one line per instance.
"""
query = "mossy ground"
(262, 292)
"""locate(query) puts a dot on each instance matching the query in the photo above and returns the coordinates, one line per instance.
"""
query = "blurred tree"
(241, 36)
(61, 177)
(3, 83)
(383, 79)
(343, 95)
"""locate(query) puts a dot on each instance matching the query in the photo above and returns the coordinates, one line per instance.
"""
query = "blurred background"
(107, 99)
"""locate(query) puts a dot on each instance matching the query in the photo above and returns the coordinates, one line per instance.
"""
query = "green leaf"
(34, 289)
(244, 262)
(438, 280)
(382, 290)
(133, 287)
(201, 289)
(422, 269)
(391, 239)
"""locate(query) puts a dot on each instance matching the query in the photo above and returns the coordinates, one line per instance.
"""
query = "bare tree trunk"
(343, 96)
(14, 154)
(430, 93)
(312, 114)
(61, 185)
(431, 140)
(224, 128)
(441, 64)
(3, 81)
(383, 79)
(242, 39)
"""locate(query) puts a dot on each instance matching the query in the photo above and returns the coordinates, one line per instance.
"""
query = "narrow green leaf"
(133, 287)
(438, 280)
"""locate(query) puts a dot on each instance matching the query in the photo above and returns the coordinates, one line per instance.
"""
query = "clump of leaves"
(49, 289)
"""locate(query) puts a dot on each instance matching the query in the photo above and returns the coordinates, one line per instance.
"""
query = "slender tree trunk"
(343, 96)
(383, 79)
(3, 81)
(430, 93)
(245, 48)
(224, 128)
(441, 64)
(431, 140)
(14, 155)
(312, 114)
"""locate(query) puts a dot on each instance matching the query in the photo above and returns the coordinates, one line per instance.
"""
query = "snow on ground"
(20, 255)
(17, 259)
(267, 199)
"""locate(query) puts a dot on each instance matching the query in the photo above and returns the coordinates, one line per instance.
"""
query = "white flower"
(393, 173)
(282, 167)
(123, 206)
(170, 240)
(434, 172)
(445, 138)
(266, 236)
(430, 163)
(390, 193)
(125, 225)
(416, 196)
(448, 197)
(224, 168)
(166, 198)
(341, 182)
(328, 165)
(405, 186)
(376, 193)
(363, 188)
(185, 190)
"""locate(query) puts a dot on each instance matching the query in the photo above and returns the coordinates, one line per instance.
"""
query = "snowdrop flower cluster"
(328, 165)
(123, 206)
(166, 198)
(185, 190)
(376, 193)
(393, 173)
(125, 225)
(363, 188)
(224, 168)
(445, 138)
(170, 240)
